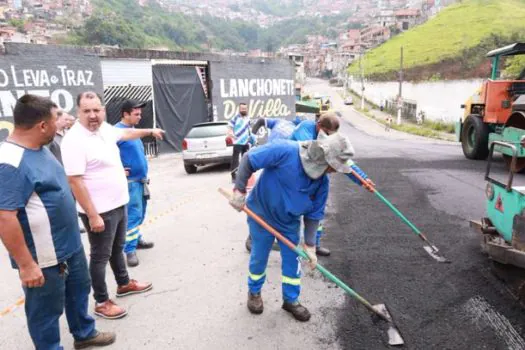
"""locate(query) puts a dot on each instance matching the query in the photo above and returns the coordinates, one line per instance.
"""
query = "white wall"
(439, 100)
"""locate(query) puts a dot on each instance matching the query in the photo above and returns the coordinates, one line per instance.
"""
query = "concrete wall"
(439, 100)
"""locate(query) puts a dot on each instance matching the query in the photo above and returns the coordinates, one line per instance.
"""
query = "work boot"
(321, 251)
(144, 244)
(109, 310)
(297, 310)
(248, 243)
(133, 287)
(255, 303)
(100, 339)
(132, 259)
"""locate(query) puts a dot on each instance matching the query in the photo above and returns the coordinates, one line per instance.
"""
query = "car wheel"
(190, 168)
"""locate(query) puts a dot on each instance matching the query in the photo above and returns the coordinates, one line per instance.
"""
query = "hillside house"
(407, 18)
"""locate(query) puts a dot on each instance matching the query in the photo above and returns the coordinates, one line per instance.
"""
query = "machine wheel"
(190, 169)
(475, 138)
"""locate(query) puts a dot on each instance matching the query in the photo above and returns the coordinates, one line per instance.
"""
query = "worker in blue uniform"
(278, 129)
(136, 165)
(309, 130)
(294, 184)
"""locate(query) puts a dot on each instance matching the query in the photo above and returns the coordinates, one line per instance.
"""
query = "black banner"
(179, 103)
(267, 88)
(45, 71)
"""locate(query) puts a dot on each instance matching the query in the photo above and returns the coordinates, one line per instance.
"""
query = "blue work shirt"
(35, 185)
(281, 129)
(283, 192)
(133, 157)
(305, 131)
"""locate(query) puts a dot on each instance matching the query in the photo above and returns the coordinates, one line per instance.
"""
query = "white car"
(349, 100)
(207, 143)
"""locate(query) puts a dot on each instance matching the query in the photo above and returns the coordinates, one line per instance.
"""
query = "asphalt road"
(461, 305)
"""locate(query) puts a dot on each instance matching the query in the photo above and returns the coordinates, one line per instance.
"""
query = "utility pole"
(400, 96)
(362, 81)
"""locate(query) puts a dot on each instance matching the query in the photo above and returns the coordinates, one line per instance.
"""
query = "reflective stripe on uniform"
(255, 277)
(133, 231)
(133, 237)
(292, 281)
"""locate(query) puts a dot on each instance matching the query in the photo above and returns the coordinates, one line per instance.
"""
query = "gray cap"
(334, 151)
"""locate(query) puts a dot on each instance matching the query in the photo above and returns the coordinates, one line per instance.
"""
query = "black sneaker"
(132, 259)
(297, 310)
(142, 244)
(321, 251)
(255, 303)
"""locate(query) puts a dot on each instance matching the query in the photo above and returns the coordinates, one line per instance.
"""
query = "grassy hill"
(453, 43)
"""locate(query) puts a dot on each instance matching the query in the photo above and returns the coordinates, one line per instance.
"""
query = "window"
(205, 131)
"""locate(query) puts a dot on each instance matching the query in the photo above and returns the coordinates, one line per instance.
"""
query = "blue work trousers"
(320, 233)
(66, 285)
(136, 214)
(262, 241)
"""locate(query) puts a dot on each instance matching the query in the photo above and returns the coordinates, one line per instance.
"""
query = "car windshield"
(204, 131)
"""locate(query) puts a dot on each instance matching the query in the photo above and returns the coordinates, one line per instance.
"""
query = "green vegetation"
(18, 24)
(514, 67)
(416, 130)
(125, 23)
(465, 32)
(440, 126)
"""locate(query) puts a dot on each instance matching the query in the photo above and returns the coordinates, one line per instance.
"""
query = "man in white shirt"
(92, 163)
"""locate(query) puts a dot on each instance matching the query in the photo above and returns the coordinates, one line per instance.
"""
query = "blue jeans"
(136, 214)
(64, 287)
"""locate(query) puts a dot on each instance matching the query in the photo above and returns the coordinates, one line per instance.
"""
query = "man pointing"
(98, 180)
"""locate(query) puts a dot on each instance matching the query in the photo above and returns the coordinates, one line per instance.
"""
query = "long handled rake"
(394, 336)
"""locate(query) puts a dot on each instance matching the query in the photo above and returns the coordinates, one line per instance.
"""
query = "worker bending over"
(294, 183)
(309, 130)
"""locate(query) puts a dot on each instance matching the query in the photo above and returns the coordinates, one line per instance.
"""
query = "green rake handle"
(302, 254)
(392, 207)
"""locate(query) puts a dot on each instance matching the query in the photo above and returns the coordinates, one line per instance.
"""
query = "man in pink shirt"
(92, 163)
